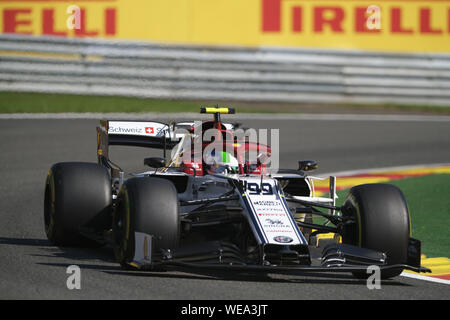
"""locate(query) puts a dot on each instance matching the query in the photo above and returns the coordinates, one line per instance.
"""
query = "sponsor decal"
(56, 18)
(124, 130)
(411, 26)
(266, 203)
(277, 222)
(273, 218)
(283, 239)
(136, 128)
(366, 19)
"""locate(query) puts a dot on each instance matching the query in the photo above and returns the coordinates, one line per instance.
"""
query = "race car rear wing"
(150, 134)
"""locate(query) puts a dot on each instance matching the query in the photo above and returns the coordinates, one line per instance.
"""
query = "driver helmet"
(221, 162)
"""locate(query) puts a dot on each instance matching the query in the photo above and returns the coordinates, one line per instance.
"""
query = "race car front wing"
(218, 255)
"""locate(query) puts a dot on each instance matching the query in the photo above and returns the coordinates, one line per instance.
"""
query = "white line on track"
(426, 278)
(241, 116)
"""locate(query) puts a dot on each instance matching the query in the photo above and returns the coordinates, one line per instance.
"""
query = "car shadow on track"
(307, 278)
(24, 241)
(102, 259)
(47, 250)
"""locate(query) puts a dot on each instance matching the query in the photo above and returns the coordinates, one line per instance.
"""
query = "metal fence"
(105, 67)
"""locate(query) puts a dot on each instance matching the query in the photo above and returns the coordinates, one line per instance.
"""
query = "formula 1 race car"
(217, 203)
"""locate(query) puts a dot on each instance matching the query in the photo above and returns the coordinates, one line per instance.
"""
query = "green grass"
(12, 102)
(428, 199)
(25, 102)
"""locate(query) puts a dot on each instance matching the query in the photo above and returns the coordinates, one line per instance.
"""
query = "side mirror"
(155, 162)
(307, 165)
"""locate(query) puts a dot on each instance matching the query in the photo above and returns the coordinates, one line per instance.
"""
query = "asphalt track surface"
(30, 268)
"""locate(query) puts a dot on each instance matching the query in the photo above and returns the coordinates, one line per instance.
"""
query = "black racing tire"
(148, 205)
(76, 193)
(382, 223)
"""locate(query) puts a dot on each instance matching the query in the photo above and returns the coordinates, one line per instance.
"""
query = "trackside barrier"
(126, 68)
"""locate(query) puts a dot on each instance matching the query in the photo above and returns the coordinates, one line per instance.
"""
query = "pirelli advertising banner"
(387, 25)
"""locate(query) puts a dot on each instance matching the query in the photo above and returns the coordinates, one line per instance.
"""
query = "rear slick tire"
(76, 193)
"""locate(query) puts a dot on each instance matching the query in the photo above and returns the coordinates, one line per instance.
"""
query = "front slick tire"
(382, 223)
(147, 205)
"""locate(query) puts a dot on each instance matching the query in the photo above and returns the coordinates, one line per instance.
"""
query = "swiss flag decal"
(149, 130)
